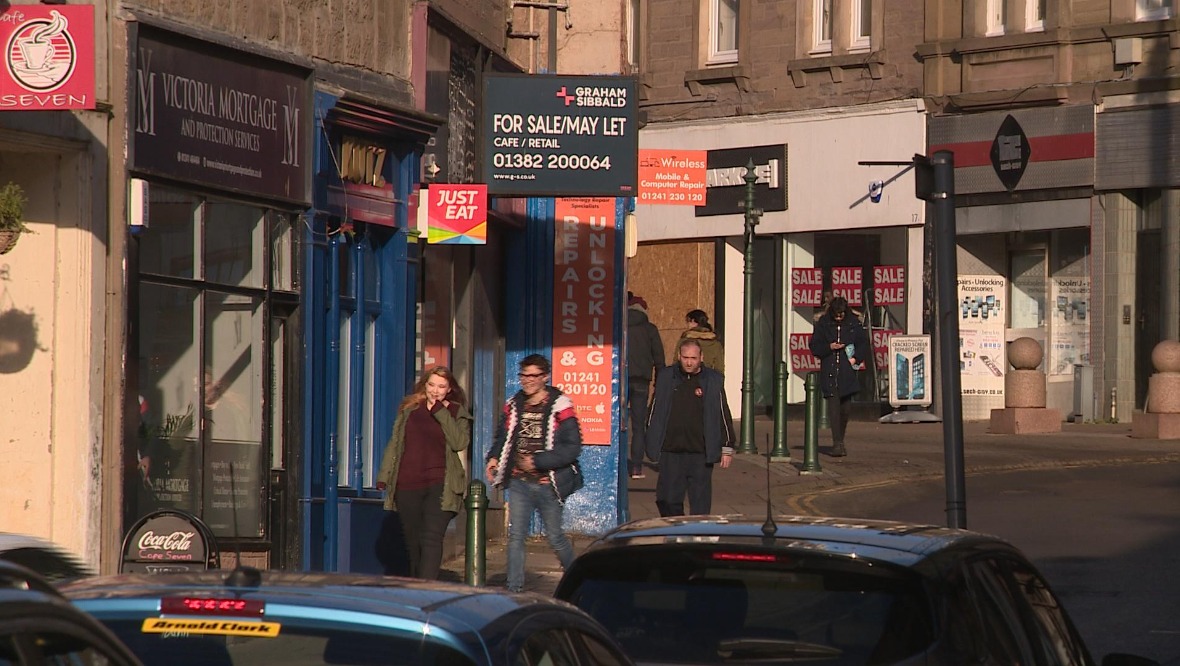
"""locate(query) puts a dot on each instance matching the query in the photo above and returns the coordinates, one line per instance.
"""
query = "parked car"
(39, 626)
(251, 618)
(46, 559)
(715, 589)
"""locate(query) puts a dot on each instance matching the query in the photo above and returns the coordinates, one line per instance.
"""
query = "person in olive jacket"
(422, 470)
(841, 344)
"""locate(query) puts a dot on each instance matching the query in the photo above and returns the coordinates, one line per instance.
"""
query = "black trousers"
(637, 406)
(839, 409)
(681, 474)
(425, 525)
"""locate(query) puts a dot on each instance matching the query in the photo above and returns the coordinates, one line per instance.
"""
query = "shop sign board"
(219, 117)
(909, 367)
(802, 360)
(807, 286)
(583, 300)
(725, 174)
(982, 318)
(1018, 150)
(48, 57)
(889, 285)
(457, 214)
(672, 177)
(848, 281)
(554, 135)
(168, 541)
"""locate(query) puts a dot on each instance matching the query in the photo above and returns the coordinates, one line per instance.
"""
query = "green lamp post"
(752, 214)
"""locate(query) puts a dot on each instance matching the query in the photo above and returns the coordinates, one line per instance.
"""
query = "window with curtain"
(862, 23)
(723, 31)
(822, 26)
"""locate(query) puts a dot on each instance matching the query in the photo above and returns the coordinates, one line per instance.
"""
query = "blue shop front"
(361, 262)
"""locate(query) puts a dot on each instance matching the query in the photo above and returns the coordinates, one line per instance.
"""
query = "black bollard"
(476, 556)
(811, 426)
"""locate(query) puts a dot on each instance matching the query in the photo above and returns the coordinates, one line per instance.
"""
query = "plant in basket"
(12, 211)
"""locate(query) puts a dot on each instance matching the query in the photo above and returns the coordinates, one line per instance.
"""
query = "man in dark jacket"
(645, 356)
(691, 428)
(840, 344)
(535, 456)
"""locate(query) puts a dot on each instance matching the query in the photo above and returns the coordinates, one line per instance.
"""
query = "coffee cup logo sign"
(177, 542)
(48, 58)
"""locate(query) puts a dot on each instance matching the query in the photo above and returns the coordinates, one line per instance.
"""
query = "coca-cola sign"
(176, 543)
(167, 539)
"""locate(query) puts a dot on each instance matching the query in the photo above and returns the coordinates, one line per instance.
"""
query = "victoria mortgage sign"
(564, 136)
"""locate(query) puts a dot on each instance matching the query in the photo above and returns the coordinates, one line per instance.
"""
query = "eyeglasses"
(526, 375)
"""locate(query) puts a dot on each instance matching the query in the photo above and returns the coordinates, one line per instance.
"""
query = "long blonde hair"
(418, 394)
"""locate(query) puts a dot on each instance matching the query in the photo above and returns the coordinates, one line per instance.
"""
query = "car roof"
(903, 544)
(467, 607)
(27, 551)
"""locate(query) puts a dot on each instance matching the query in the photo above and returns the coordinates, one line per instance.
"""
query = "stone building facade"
(1082, 224)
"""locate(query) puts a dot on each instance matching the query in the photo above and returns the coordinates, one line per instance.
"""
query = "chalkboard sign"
(169, 541)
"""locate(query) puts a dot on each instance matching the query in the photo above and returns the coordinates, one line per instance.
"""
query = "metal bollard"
(810, 427)
(823, 407)
(476, 556)
(780, 453)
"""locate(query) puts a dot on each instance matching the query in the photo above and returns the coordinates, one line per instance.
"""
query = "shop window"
(1027, 297)
(723, 32)
(233, 244)
(202, 347)
(169, 246)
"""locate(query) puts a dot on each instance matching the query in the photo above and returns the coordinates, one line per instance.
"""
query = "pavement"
(879, 454)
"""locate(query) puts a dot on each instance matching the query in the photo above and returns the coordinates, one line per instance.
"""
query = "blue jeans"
(525, 497)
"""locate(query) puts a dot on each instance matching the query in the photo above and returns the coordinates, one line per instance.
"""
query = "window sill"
(696, 79)
(835, 66)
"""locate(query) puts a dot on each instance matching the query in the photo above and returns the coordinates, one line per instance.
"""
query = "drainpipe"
(331, 372)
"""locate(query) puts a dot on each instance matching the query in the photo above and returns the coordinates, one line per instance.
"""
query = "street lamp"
(752, 214)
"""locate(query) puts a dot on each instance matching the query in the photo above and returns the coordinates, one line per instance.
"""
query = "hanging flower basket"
(12, 210)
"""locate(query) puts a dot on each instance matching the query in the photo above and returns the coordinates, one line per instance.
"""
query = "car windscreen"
(704, 604)
(187, 642)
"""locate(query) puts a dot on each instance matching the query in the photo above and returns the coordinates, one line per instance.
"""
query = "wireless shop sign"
(560, 136)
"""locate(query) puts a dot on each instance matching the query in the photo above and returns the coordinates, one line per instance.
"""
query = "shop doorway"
(1147, 309)
(844, 250)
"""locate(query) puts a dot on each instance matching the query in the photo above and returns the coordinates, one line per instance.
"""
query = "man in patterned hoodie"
(535, 457)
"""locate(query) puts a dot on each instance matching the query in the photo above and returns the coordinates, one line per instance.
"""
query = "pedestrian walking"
(645, 357)
(422, 470)
(840, 343)
(691, 427)
(534, 456)
(699, 329)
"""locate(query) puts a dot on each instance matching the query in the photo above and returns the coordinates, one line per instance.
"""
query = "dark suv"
(714, 589)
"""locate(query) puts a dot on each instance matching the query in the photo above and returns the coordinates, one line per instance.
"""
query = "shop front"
(361, 324)
(1138, 139)
(219, 176)
(827, 225)
(1024, 214)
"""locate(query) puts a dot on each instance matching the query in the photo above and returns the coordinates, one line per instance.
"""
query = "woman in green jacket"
(422, 470)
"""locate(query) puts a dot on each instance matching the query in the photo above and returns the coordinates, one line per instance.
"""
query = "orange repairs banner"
(583, 303)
